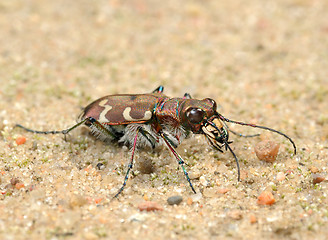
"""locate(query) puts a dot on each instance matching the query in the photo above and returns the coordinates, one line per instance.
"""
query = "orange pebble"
(267, 150)
(20, 140)
(318, 178)
(150, 206)
(19, 185)
(189, 201)
(252, 219)
(266, 198)
(98, 200)
(145, 197)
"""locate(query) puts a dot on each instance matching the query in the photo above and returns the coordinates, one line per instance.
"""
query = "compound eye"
(195, 115)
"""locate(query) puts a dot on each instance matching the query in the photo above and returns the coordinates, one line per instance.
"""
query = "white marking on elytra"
(127, 116)
(102, 116)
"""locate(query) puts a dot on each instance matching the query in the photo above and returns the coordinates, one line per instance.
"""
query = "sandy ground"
(264, 62)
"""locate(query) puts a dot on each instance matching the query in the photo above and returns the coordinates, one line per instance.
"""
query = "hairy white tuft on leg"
(147, 137)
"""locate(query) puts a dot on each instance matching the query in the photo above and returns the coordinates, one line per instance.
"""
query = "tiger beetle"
(154, 119)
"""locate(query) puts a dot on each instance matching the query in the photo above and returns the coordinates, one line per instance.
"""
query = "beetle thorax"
(168, 111)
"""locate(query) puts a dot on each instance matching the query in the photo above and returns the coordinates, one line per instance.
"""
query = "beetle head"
(201, 117)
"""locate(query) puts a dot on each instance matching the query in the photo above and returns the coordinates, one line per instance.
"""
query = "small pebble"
(195, 174)
(252, 219)
(100, 166)
(145, 197)
(20, 140)
(317, 178)
(218, 183)
(203, 181)
(190, 201)
(150, 206)
(174, 200)
(19, 185)
(98, 200)
(266, 198)
(314, 169)
(223, 190)
(280, 176)
(267, 150)
(243, 175)
(196, 197)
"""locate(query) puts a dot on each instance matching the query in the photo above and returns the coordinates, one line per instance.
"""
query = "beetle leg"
(130, 164)
(170, 141)
(187, 96)
(66, 131)
(178, 157)
(160, 89)
(99, 129)
(148, 136)
(116, 133)
(90, 122)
